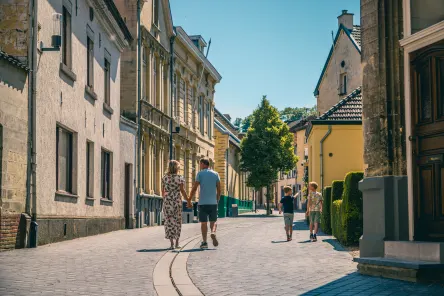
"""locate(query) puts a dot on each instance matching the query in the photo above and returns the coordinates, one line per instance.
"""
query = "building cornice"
(108, 19)
(185, 39)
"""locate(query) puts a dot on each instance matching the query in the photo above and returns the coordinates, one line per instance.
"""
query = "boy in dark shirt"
(287, 203)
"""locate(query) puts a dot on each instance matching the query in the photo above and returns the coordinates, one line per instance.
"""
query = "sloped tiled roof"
(348, 109)
(356, 33)
(13, 60)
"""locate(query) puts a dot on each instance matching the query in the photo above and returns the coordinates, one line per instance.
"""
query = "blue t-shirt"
(287, 202)
(208, 180)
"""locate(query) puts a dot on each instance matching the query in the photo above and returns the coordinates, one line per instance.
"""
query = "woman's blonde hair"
(173, 167)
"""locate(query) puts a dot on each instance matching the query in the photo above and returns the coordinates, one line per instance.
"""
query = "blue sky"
(264, 47)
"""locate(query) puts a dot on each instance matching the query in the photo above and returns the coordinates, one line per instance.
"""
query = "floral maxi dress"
(172, 205)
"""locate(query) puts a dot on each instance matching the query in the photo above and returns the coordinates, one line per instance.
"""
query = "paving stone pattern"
(257, 260)
(251, 260)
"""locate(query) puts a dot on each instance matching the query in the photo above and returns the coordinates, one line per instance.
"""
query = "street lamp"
(56, 38)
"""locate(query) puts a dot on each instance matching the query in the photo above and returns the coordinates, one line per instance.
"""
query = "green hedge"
(352, 207)
(336, 220)
(346, 217)
(337, 187)
(326, 212)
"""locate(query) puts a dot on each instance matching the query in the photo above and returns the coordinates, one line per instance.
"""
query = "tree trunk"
(268, 200)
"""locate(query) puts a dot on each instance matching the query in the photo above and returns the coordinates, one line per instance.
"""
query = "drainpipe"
(139, 112)
(171, 92)
(322, 155)
(227, 154)
(31, 198)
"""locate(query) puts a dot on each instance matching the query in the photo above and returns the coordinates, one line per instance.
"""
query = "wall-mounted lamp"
(56, 39)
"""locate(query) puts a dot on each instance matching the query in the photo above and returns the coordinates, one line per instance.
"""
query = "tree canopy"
(267, 147)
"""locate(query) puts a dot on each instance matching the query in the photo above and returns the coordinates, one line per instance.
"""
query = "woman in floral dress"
(173, 188)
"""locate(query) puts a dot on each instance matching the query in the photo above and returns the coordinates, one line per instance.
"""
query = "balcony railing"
(155, 117)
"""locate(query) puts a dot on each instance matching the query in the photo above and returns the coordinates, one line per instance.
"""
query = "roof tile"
(349, 108)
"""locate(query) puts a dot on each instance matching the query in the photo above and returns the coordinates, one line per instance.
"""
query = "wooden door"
(427, 87)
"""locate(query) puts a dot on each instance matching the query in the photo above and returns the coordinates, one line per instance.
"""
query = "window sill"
(64, 194)
(108, 108)
(68, 72)
(90, 198)
(106, 201)
(90, 92)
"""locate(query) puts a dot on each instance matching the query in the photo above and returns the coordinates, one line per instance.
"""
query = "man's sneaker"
(315, 239)
(204, 245)
(311, 236)
(215, 242)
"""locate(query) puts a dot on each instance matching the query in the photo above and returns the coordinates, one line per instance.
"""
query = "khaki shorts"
(288, 219)
(315, 217)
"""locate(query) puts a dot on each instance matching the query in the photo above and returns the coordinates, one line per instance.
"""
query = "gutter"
(322, 155)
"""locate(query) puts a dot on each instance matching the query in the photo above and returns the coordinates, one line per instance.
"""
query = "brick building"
(227, 159)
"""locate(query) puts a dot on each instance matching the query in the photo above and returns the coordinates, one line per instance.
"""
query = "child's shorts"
(288, 219)
(315, 217)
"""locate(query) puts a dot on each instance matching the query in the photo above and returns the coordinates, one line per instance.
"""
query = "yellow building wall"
(301, 145)
(345, 143)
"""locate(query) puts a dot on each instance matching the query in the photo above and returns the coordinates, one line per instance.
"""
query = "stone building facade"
(227, 159)
(194, 82)
(13, 146)
(187, 101)
(402, 191)
(77, 117)
(342, 70)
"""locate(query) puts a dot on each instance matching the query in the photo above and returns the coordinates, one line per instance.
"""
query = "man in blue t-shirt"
(287, 204)
(209, 196)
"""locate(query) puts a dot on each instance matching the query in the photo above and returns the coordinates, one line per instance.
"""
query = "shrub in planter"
(326, 210)
(351, 208)
(336, 220)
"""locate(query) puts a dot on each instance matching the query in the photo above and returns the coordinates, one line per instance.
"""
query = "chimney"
(228, 116)
(346, 19)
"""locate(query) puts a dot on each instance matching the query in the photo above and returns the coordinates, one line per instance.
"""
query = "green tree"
(237, 123)
(267, 148)
(297, 112)
(246, 123)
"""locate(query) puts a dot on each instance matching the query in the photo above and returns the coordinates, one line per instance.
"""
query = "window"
(64, 163)
(209, 120)
(201, 115)
(107, 70)
(90, 63)
(89, 169)
(343, 84)
(144, 74)
(106, 174)
(156, 12)
(193, 102)
(66, 46)
(185, 102)
(153, 167)
(154, 98)
(143, 164)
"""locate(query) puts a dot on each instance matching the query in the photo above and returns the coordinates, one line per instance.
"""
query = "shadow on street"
(152, 250)
(358, 284)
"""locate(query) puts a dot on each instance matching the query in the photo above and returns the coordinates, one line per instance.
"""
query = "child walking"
(314, 209)
(287, 203)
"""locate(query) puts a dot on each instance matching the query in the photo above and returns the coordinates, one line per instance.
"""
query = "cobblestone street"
(252, 259)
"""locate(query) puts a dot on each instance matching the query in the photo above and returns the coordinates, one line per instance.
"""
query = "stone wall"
(383, 103)
(14, 28)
